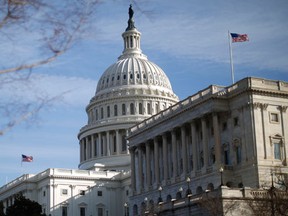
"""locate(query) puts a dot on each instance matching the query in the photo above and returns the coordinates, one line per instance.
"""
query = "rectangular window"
(82, 192)
(64, 191)
(238, 154)
(115, 110)
(140, 108)
(82, 211)
(224, 126)
(114, 144)
(96, 113)
(236, 121)
(108, 111)
(226, 157)
(124, 143)
(102, 113)
(123, 109)
(274, 117)
(64, 211)
(99, 193)
(277, 151)
(149, 108)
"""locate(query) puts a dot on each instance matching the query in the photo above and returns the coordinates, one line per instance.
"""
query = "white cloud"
(72, 91)
(200, 31)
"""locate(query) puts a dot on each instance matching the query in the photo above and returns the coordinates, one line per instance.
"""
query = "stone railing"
(212, 90)
(16, 182)
(64, 173)
(190, 101)
(121, 119)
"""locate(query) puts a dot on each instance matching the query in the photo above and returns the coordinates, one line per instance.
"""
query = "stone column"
(133, 182)
(194, 143)
(105, 144)
(126, 134)
(97, 145)
(92, 146)
(184, 150)
(100, 145)
(217, 140)
(87, 148)
(148, 168)
(140, 168)
(265, 123)
(205, 142)
(81, 150)
(284, 124)
(174, 153)
(118, 143)
(165, 157)
(108, 143)
(156, 160)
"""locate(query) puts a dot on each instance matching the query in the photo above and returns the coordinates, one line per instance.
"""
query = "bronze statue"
(130, 21)
(131, 12)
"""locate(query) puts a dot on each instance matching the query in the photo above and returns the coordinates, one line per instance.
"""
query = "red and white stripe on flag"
(27, 158)
(239, 37)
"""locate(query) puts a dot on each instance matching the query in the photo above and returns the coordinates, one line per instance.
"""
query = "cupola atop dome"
(131, 39)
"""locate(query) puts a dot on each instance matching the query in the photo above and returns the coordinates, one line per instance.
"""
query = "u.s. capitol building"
(221, 140)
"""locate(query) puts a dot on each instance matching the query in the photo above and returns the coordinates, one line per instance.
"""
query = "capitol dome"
(134, 72)
(129, 91)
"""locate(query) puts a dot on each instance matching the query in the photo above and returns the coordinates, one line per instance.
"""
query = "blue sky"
(187, 39)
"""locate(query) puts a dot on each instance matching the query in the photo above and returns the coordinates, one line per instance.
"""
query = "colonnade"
(175, 153)
(103, 144)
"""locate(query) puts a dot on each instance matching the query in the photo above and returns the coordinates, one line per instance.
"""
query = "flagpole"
(231, 57)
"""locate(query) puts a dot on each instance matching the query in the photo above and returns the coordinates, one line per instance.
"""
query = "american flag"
(27, 158)
(239, 37)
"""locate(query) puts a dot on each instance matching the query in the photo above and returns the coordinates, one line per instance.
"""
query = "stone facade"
(239, 130)
(64, 192)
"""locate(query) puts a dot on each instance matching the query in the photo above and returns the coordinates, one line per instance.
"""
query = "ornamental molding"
(276, 138)
(262, 106)
(282, 108)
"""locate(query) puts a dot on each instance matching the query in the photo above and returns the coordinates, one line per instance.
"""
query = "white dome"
(129, 91)
(133, 72)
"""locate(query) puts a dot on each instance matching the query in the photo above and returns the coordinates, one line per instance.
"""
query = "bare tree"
(272, 198)
(47, 29)
(269, 202)
(214, 204)
(56, 26)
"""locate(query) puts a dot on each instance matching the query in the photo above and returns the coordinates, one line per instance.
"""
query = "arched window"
(149, 108)
(108, 111)
(96, 114)
(132, 110)
(115, 110)
(114, 144)
(135, 210)
(140, 108)
(102, 113)
(123, 109)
